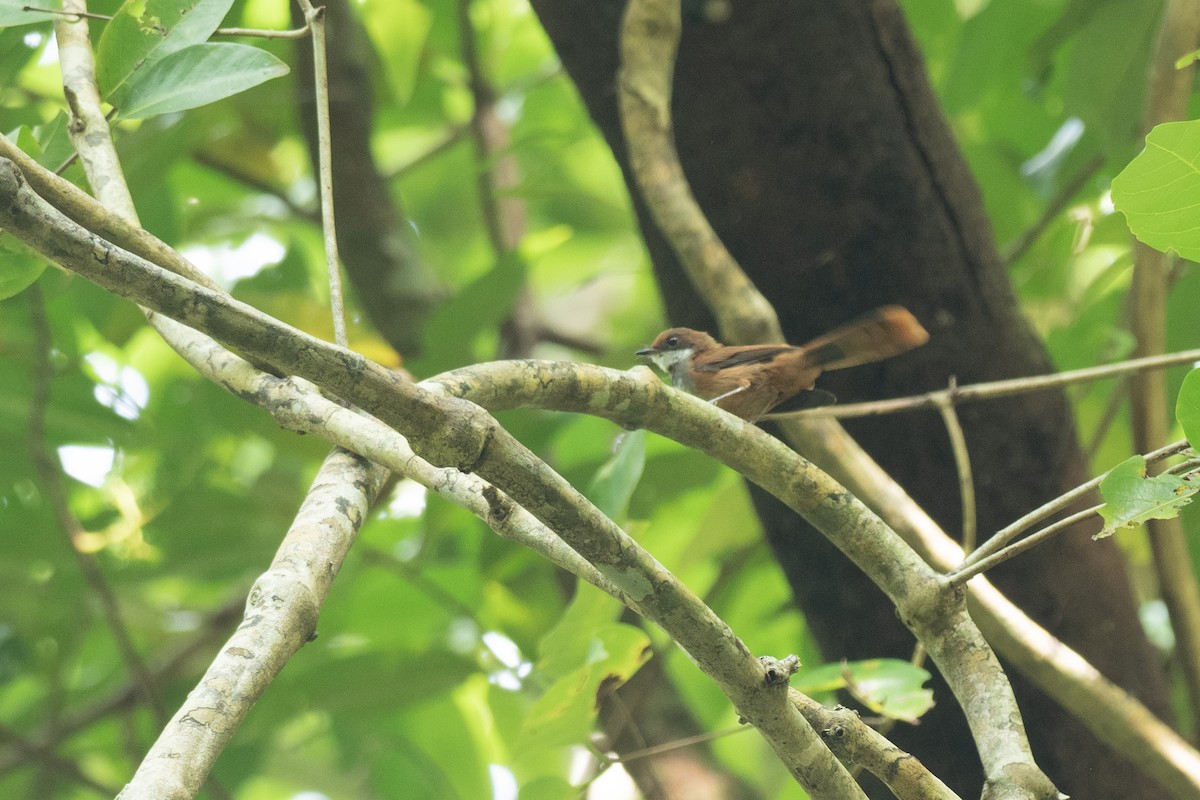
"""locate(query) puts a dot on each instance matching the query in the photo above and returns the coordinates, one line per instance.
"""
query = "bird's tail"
(882, 333)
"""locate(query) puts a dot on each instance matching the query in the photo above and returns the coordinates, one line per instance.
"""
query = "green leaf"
(888, 686)
(143, 32)
(548, 787)
(198, 75)
(573, 642)
(480, 307)
(18, 268)
(1187, 407)
(1131, 498)
(398, 29)
(565, 713)
(1160, 189)
(13, 13)
(616, 479)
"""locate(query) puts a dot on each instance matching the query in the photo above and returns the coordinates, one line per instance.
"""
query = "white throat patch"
(674, 363)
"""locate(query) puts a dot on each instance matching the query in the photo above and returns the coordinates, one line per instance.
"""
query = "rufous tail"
(879, 334)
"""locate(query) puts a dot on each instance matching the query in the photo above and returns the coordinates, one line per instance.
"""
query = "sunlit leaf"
(1187, 407)
(564, 714)
(398, 29)
(18, 268)
(143, 32)
(1160, 189)
(198, 75)
(887, 686)
(1131, 498)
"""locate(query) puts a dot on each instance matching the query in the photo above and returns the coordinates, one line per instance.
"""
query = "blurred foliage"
(450, 663)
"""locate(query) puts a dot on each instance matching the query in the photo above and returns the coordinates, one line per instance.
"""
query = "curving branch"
(447, 432)
(1114, 715)
(856, 742)
(617, 396)
(649, 40)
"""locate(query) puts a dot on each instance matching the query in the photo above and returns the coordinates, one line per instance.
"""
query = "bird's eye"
(672, 341)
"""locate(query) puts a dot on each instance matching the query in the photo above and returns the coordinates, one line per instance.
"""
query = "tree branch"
(1167, 93)
(1111, 713)
(447, 432)
(281, 617)
(649, 40)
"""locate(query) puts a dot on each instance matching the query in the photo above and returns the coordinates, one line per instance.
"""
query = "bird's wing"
(744, 355)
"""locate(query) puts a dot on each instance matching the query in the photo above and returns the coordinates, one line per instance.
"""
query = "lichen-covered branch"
(856, 742)
(936, 615)
(281, 616)
(447, 432)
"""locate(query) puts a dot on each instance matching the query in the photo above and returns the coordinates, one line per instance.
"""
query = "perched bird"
(754, 380)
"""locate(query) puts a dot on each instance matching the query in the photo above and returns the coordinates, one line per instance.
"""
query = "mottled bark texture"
(814, 143)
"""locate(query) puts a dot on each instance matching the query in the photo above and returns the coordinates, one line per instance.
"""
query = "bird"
(751, 381)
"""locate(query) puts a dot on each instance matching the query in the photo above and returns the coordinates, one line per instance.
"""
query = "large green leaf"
(1131, 498)
(1159, 191)
(1187, 408)
(198, 75)
(143, 32)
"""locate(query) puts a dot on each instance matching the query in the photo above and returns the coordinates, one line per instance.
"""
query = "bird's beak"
(646, 351)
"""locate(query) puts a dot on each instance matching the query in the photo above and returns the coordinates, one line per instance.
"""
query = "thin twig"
(315, 21)
(262, 33)
(996, 389)
(453, 136)
(1053, 208)
(678, 744)
(75, 15)
(964, 574)
(257, 184)
(962, 463)
(998, 549)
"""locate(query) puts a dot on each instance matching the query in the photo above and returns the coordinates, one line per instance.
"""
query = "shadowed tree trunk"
(814, 143)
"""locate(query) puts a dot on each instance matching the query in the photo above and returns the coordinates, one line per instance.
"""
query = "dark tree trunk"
(374, 239)
(814, 143)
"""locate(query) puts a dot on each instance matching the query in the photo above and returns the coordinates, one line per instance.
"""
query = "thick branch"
(446, 432)
(938, 618)
(281, 616)
(1111, 713)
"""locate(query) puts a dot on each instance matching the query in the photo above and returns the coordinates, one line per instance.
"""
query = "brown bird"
(753, 380)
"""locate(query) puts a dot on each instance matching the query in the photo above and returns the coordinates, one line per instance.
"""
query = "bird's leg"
(730, 393)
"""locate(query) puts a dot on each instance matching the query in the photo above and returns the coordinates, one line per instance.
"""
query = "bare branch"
(281, 617)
